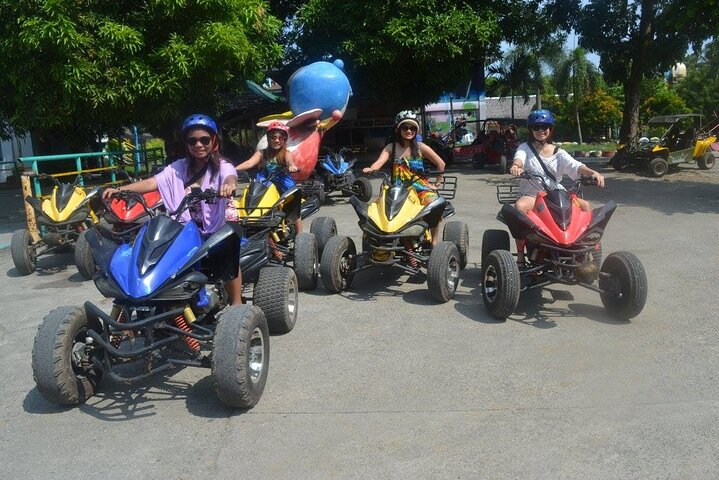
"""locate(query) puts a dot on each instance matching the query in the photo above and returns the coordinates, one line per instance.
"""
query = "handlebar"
(583, 180)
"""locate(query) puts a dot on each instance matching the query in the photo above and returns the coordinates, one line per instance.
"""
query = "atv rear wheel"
(338, 264)
(362, 189)
(24, 254)
(276, 294)
(307, 261)
(241, 356)
(706, 161)
(503, 164)
(658, 167)
(624, 283)
(62, 370)
(443, 271)
(493, 240)
(458, 233)
(324, 228)
(83, 257)
(500, 284)
(479, 160)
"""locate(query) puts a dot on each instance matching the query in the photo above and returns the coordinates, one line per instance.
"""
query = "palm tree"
(520, 71)
(575, 76)
(513, 75)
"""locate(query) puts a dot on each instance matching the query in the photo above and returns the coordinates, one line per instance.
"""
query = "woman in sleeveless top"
(408, 156)
(276, 163)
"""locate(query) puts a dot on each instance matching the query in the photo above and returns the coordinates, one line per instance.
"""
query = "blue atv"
(336, 175)
(170, 310)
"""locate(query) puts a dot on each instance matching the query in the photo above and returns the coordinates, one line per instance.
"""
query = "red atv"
(562, 244)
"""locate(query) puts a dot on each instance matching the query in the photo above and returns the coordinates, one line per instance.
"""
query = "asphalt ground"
(381, 382)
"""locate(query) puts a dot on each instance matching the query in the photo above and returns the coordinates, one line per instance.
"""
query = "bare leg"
(434, 231)
(584, 205)
(234, 289)
(298, 225)
(524, 204)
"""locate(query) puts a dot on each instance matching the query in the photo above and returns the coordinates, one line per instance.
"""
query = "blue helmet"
(198, 120)
(541, 116)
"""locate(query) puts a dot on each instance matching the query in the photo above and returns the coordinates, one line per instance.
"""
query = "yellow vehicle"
(686, 140)
(396, 232)
(269, 234)
(63, 218)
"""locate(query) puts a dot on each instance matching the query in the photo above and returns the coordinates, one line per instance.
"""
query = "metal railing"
(143, 161)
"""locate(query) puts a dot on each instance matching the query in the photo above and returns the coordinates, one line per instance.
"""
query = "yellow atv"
(686, 140)
(63, 218)
(396, 232)
(269, 231)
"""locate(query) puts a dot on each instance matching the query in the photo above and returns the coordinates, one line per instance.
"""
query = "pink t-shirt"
(171, 185)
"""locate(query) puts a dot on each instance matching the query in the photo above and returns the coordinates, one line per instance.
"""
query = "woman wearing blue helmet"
(202, 166)
(541, 157)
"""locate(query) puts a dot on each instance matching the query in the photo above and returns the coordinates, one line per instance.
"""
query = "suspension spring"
(412, 259)
(192, 343)
(274, 249)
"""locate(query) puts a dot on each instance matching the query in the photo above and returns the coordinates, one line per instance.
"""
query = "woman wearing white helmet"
(275, 162)
(408, 156)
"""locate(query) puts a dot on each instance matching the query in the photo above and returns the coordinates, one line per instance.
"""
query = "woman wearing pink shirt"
(203, 167)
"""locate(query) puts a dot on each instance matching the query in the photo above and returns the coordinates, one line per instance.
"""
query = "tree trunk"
(579, 125)
(633, 86)
(539, 98)
(512, 93)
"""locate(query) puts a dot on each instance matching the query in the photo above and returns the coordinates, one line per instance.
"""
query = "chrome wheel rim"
(256, 356)
(489, 283)
(452, 273)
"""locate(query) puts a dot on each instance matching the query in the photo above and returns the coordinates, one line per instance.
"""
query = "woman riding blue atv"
(204, 167)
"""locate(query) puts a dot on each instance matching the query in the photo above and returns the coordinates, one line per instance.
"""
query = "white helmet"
(406, 116)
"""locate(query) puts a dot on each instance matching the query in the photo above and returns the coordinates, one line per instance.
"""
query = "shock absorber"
(412, 259)
(192, 343)
(273, 248)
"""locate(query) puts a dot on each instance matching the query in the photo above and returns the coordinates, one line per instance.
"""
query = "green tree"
(83, 68)
(409, 52)
(600, 111)
(662, 101)
(641, 38)
(700, 88)
(575, 77)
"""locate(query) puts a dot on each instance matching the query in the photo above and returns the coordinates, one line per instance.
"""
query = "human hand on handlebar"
(227, 190)
(599, 178)
(293, 169)
(367, 170)
(109, 192)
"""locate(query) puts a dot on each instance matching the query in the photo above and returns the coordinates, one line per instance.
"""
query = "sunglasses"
(408, 128)
(537, 128)
(192, 141)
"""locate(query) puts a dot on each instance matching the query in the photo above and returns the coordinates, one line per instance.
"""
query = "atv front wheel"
(617, 161)
(24, 254)
(500, 284)
(83, 257)
(241, 356)
(276, 294)
(443, 271)
(658, 167)
(324, 228)
(362, 189)
(624, 285)
(493, 240)
(458, 233)
(61, 364)
(706, 161)
(338, 264)
(479, 160)
(307, 261)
